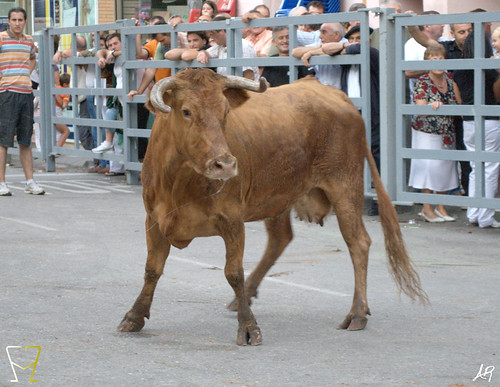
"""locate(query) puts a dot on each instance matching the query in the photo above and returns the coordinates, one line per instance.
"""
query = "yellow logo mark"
(12, 364)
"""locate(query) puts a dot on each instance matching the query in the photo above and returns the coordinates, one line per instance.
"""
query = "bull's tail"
(402, 267)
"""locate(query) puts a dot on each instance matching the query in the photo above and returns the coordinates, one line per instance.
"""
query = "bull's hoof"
(353, 324)
(130, 325)
(249, 335)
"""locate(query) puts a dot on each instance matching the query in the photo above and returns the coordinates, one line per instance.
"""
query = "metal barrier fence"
(402, 154)
(393, 107)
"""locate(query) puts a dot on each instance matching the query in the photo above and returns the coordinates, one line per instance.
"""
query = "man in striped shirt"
(17, 61)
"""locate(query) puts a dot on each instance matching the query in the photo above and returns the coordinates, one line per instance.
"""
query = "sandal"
(114, 173)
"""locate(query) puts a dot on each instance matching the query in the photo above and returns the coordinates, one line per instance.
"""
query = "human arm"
(57, 57)
(101, 55)
(304, 53)
(203, 56)
(420, 37)
(62, 100)
(32, 64)
(175, 53)
(65, 99)
(414, 74)
(434, 104)
(148, 77)
(496, 89)
(247, 17)
(333, 48)
(189, 54)
(140, 51)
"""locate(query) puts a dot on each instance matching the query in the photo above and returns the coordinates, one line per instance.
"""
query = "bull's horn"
(235, 82)
(156, 95)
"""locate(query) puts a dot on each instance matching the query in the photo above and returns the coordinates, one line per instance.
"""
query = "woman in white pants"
(434, 88)
(484, 217)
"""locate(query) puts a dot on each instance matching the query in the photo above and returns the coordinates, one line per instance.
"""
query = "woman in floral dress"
(434, 88)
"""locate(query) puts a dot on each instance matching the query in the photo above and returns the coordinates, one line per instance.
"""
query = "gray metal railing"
(393, 108)
(479, 110)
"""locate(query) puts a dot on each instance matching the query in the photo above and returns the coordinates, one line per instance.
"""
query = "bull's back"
(287, 139)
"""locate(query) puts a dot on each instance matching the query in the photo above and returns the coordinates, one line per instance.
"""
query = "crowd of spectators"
(434, 87)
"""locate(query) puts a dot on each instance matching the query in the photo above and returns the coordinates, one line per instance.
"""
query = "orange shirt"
(151, 47)
(65, 97)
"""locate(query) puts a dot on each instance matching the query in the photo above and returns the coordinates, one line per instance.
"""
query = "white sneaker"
(104, 147)
(4, 190)
(495, 224)
(33, 189)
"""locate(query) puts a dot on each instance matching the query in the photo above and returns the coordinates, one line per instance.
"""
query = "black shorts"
(16, 118)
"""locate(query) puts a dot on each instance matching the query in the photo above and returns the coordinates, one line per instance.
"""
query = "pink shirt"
(261, 42)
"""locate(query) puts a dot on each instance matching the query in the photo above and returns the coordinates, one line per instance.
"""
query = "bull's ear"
(236, 97)
(167, 98)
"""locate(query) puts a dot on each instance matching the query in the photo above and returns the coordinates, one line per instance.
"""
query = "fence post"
(387, 105)
(46, 80)
(130, 144)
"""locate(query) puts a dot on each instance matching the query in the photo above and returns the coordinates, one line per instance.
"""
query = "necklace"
(443, 83)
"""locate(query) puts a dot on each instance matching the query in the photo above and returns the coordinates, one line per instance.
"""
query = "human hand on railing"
(248, 16)
(101, 63)
(202, 57)
(175, 22)
(57, 57)
(132, 93)
(305, 58)
(436, 104)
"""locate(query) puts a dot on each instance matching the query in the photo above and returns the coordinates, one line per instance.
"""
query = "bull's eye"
(186, 113)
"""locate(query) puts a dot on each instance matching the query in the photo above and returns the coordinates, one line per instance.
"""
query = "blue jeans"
(93, 115)
(111, 115)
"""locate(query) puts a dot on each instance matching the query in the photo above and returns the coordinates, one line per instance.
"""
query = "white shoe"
(104, 147)
(495, 224)
(4, 190)
(446, 218)
(33, 189)
(430, 220)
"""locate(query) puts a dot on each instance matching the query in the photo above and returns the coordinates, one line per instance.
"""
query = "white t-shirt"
(220, 52)
(353, 86)
(413, 51)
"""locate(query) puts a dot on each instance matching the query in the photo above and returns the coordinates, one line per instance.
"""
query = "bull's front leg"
(233, 233)
(158, 250)
(279, 233)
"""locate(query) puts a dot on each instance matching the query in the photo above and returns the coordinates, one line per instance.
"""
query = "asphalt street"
(72, 264)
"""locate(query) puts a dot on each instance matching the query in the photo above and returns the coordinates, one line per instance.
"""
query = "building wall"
(107, 11)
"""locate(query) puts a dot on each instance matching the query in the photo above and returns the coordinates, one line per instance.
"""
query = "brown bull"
(220, 156)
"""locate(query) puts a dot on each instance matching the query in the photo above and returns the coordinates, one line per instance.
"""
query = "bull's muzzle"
(222, 167)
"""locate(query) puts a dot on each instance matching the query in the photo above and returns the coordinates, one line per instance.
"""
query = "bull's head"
(198, 102)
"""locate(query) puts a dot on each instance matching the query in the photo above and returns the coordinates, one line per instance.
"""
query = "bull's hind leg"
(348, 206)
(158, 250)
(233, 233)
(279, 232)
